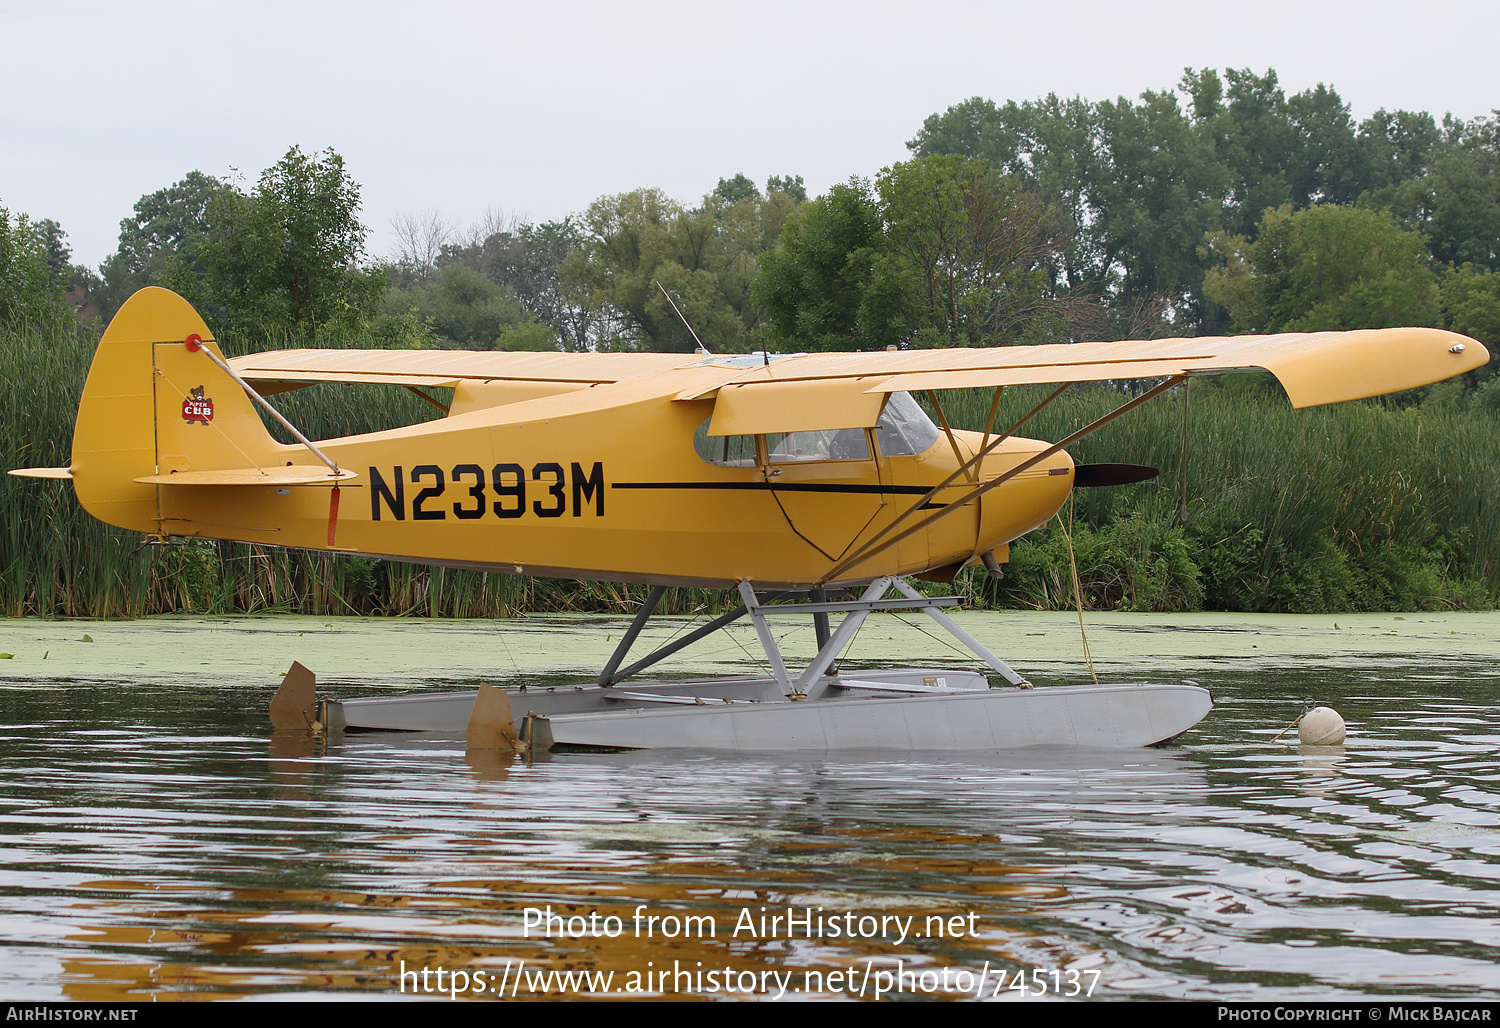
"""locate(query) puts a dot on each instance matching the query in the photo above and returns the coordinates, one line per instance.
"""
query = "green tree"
(1230, 280)
(1139, 183)
(628, 242)
(528, 335)
(465, 309)
(528, 262)
(1471, 306)
(1164, 191)
(1471, 303)
(65, 274)
(970, 249)
(29, 292)
(732, 190)
(635, 245)
(59, 253)
(1134, 185)
(1455, 203)
(745, 229)
(1276, 149)
(287, 255)
(791, 185)
(1398, 145)
(815, 285)
(1257, 144)
(942, 251)
(1330, 166)
(160, 239)
(1052, 146)
(1325, 268)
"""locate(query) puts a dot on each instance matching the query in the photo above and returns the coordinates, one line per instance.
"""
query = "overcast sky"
(542, 108)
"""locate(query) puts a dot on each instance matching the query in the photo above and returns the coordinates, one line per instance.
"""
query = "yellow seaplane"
(813, 484)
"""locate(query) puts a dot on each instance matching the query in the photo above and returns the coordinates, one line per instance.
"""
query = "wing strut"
(958, 455)
(874, 547)
(945, 483)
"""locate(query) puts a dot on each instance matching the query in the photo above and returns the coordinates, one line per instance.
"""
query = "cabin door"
(826, 484)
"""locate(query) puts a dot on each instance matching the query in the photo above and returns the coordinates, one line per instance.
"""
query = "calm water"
(155, 841)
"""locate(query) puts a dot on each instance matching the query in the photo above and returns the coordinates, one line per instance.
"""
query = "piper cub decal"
(196, 409)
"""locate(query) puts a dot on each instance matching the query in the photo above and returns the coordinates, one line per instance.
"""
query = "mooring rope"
(1077, 592)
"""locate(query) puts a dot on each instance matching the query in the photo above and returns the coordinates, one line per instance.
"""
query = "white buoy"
(1321, 726)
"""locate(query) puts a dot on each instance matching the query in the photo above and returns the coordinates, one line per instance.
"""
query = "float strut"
(968, 640)
(767, 640)
(810, 683)
(613, 677)
(820, 619)
(647, 609)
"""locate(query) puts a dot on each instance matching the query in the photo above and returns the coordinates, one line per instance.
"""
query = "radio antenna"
(684, 320)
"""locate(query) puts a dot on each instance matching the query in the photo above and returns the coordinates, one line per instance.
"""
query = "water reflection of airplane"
(812, 478)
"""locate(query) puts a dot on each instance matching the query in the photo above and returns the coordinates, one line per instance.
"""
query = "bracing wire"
(946, 642)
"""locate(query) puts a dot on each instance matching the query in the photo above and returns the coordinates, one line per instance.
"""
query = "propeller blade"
(1086, 476)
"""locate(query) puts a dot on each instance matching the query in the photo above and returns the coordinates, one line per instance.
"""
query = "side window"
(905, 430)
(825, 444)
(738, 451)
(728, 451)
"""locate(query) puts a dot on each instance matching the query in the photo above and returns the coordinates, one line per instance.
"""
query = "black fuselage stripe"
(789, 487)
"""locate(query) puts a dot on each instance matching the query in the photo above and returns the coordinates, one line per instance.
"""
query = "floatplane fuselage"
(615, 480)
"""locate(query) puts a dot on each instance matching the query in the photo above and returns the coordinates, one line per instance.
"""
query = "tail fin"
(150, 407)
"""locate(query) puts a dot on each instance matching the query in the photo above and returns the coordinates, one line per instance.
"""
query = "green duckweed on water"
(412, 653)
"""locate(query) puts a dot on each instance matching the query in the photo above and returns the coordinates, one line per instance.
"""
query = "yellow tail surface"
(151, 407)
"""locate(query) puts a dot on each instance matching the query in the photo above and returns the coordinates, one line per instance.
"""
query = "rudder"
(150, 406)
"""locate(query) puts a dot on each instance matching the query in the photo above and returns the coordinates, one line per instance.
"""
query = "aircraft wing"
(847, 390)
(1314, 367)
(753, 394)
(280, 370)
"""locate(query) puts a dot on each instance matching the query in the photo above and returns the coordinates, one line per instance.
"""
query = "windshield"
(904, 429)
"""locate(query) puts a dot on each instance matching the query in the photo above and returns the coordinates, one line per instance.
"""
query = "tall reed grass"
(1360, 506)
(57, 560)
(1259, 507)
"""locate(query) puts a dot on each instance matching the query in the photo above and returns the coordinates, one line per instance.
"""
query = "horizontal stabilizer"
(1088, 475)
(43, 472)
(295, 474)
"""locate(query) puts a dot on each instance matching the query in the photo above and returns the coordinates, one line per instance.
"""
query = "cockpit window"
(728, 451)
(823, 444)
(904, 429)
(738, 451)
